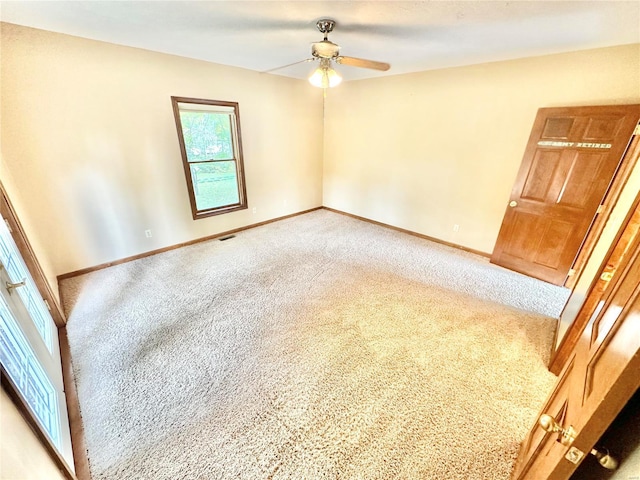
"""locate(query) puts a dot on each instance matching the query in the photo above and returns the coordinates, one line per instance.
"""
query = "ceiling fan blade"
(362, 63)
(289, 65)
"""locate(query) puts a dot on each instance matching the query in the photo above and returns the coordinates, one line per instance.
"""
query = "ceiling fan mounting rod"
(325, 25)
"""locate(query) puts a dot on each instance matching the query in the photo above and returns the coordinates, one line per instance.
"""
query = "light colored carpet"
(317, 347)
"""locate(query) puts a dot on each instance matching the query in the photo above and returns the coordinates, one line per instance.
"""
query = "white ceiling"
(412, 36)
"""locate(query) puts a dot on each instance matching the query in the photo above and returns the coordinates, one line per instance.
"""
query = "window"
(209, 136)
(25, 370)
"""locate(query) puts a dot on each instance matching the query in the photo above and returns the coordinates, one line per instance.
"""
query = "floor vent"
(227, 238)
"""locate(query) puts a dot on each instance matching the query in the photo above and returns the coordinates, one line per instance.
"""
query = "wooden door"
(569, 162)
(601, 374)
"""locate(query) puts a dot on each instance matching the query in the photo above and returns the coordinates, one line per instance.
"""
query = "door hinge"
(47, 304)
(8, 225)
(571, 273)
(600, 209)
(607, 276)
(637, 130)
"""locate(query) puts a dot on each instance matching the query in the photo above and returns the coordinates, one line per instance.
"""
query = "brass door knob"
(549, 424)
(604, 459)
(513, 203)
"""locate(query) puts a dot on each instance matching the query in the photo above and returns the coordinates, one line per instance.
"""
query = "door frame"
(610, 402)
(81, 462)
(630, 160)
(620, 177)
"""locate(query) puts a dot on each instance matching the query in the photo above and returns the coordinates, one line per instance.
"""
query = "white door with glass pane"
(29, 348)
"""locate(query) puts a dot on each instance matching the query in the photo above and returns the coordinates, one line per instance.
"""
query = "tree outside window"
(209, 136)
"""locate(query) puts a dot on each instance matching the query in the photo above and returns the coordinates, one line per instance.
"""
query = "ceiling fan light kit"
(325, 76)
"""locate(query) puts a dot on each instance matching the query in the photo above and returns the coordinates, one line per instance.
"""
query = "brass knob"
(604, 459)
(513, 203)
(549, 424)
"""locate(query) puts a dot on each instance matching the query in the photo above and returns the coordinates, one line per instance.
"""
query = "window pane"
(17, 271)
(21, 364)
(207, 136)
(215, 184)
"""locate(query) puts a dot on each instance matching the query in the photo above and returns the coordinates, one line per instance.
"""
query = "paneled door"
(600, 376)
(569, 163)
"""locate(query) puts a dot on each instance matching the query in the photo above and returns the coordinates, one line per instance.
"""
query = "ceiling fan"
(326, 52)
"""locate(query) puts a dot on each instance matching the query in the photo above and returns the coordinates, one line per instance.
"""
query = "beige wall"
(22, 456)
(90, 151)
(429, 150)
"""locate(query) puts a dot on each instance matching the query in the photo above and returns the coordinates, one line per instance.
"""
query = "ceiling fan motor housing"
(325, 49)
(325, 26)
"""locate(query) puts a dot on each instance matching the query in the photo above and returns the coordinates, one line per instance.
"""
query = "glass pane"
(21, 364)
(215, 184)
(207, 136)
(17, 271)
